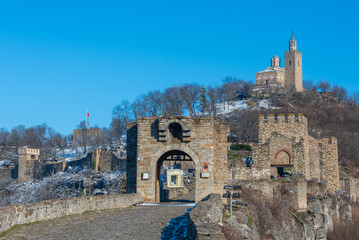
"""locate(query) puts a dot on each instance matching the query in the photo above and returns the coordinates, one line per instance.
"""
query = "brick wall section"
(204, 140)
(205, 217)
(46, 210)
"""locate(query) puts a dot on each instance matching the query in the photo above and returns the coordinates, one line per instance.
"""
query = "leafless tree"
(213, 100)
(244, 124)
(154, 103)
(189, 94)
(121, 115)
(308, 85)
(340, 93)
(139, 107)
(172, 102)
(324, 86)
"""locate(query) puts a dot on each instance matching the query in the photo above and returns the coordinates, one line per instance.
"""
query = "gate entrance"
(173, 186)
(152, 142)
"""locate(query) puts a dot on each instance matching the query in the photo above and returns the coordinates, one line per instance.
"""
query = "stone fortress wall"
(202, 139)
(284, 142)
(28, 213)
(98, 160)
(350, 187)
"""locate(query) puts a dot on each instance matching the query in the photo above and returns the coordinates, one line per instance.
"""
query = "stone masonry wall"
(5, 173)
(350, 186)
(314, 158)
(204, 219)
(203, 139)
(286, 134)
(46, 210)
(107, 161)
(328, 150)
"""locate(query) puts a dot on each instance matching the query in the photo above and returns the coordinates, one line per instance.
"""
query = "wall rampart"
(350, 186)
(328, 151)
(46, 210)
(205, 217)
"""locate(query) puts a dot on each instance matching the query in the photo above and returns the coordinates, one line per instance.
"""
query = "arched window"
(290, 62)
(176, 130)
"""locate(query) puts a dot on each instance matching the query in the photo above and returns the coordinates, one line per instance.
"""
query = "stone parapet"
(205, 219)
(46, 210)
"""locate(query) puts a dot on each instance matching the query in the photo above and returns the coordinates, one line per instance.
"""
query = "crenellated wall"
(46, 210)
(284, 142)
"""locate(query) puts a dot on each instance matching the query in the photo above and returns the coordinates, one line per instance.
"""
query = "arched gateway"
(150, 141)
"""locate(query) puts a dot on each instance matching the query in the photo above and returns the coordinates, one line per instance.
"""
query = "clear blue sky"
(59, 57)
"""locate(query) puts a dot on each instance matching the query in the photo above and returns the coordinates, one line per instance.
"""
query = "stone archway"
(283, 157)
(173, 148)
(204, 140)
(180, 157)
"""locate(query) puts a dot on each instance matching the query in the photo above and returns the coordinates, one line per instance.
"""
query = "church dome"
(275, 56)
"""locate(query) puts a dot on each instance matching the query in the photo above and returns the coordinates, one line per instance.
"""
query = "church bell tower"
(293, 66)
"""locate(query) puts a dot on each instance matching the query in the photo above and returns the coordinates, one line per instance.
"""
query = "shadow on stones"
(180, 228)
(176, 229)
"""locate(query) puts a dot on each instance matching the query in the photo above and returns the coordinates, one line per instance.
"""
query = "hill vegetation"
(330, 110)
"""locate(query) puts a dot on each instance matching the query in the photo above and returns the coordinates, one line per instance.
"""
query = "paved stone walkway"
(140, 222)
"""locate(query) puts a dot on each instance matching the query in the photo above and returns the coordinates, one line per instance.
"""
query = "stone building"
(88, 134)
(288, 77)
(28, 158)
(284, 143)
(151, 141)
(6, 167)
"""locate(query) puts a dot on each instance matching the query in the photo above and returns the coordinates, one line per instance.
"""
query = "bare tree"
(308, 85)
(324, 86)
(154, 103)
(213, 100)
(121, 115)
(172, 103)
(189, 94)
(244, 124)
(4, 137)
(139, 107)
(340, 93)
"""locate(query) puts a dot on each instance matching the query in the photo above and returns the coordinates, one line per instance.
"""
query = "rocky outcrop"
(312, 225)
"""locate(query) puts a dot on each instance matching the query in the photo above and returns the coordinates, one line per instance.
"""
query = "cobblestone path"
(140, 222)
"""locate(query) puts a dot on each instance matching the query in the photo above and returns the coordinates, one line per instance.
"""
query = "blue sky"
(58, 58)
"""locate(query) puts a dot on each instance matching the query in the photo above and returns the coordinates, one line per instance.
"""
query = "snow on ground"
(228, 107)
(60, 185)
(6, 163)
(70, 154)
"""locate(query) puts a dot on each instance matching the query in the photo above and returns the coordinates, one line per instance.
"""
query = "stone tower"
(293, 66)
(27, 159)
(275, 62)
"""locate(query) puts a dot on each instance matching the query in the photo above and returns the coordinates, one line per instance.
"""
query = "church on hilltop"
(287, 77)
